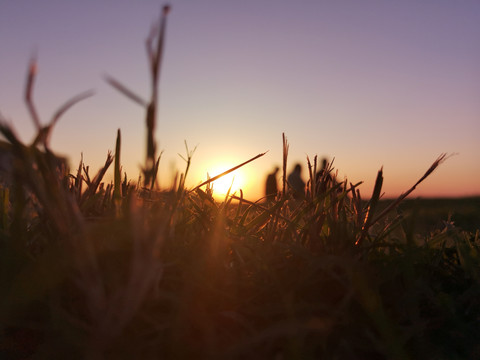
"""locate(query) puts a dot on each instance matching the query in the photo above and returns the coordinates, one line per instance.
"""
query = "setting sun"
(235, 180)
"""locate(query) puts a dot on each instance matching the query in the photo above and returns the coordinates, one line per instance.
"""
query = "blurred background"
(368, 84)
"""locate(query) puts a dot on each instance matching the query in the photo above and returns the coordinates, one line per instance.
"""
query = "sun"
(235, 180)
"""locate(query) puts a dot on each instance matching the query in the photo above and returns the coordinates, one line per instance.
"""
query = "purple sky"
(369, 83)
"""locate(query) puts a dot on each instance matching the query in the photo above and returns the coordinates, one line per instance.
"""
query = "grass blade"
(117, 192)
(228, 171)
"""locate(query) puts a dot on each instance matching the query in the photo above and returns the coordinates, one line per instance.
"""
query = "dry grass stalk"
(154, 54)
(430, 170)
(43, 132)
(371, 218)
(284, 167)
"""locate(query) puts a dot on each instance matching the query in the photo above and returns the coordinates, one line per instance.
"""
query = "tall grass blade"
(155, 57)
(125, 91)
(117, 192)
(377, 190)
(32, 72)
(94, 184)
(284, 167)
(431, 169)
(4, 207)
(68, 104)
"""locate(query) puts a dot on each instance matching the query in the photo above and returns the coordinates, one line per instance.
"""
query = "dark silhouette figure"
(296, 182)
(324, 178)
(271, 188)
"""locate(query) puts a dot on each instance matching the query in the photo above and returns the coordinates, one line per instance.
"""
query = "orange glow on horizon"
(234, 181)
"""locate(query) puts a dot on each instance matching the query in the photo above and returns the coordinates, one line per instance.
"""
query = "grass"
(434, 214)
(126, 270)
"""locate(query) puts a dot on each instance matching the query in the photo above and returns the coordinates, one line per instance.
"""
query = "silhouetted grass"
(122, 271)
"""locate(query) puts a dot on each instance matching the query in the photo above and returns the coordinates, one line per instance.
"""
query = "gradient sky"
(369, 83)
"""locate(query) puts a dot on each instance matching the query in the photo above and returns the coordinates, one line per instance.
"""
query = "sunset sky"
(369, 83)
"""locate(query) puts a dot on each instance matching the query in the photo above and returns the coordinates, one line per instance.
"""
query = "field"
(126, 270)
(432, 214)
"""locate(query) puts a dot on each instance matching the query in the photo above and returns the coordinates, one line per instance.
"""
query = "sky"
(364, 83)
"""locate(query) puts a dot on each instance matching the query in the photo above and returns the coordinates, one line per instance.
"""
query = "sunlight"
(235, 179)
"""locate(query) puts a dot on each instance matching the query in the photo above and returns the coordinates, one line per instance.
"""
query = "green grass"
(124, 270)
(433, 213)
